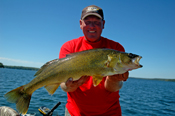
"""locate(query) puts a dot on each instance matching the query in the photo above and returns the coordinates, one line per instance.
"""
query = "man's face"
(92, 27)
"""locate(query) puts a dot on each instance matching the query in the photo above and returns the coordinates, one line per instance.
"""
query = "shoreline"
(21, 67)
(160, 79)
(36, 69)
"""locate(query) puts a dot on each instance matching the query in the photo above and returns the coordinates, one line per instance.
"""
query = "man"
(83, 98)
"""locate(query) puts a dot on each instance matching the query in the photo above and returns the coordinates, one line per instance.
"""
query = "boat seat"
(7, 111)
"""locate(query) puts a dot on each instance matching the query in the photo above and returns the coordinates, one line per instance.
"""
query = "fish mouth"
(136, 61)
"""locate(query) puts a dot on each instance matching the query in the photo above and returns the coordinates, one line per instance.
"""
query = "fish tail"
(20, 97)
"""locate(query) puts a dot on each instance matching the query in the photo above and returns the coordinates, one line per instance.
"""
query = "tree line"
(18, 67)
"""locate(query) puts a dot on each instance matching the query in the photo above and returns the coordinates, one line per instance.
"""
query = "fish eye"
(130, 55)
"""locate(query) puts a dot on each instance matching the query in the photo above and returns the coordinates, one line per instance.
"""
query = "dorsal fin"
(71, 54)
(44, 66)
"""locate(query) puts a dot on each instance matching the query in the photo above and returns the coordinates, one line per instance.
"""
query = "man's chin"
(93, 39)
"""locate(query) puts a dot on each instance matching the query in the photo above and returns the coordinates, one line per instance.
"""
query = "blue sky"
(33, 31)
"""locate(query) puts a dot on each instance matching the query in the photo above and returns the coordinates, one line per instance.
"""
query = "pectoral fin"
(112, 59)
(52, 88)
(97, 80)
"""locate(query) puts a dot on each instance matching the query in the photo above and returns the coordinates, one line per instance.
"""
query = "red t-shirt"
(88, 100)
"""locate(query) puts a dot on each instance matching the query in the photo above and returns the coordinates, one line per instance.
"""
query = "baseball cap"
(92, 10)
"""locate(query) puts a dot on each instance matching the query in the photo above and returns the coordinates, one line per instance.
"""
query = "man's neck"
(95, 40)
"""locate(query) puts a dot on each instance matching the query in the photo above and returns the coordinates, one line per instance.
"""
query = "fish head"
(129, 61)
(122, 62)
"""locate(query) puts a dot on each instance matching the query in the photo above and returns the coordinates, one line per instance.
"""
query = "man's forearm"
(113, 86)
(115, 82)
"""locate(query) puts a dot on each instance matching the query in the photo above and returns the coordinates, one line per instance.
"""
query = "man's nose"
(92, 24)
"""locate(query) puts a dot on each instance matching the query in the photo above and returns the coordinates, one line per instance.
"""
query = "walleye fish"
(97, 63)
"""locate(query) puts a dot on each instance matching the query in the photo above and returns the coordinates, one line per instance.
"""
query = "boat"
(7, 111)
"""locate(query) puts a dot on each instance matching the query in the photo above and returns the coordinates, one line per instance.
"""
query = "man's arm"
(115, 82)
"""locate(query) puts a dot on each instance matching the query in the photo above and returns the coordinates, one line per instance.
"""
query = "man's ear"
(81, 24)
(103, 24)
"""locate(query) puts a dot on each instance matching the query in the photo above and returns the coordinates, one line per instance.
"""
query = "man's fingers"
(79, 82)
(82, 80)
(69, 81)
(125, 76)
(120, 77)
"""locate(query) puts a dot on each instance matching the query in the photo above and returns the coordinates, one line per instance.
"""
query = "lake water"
(138, 97)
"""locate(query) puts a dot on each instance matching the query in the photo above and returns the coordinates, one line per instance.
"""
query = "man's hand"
(70, 85)
(115, 82)
(119, 77)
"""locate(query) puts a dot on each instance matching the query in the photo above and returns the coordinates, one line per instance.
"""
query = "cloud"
(9, 61)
